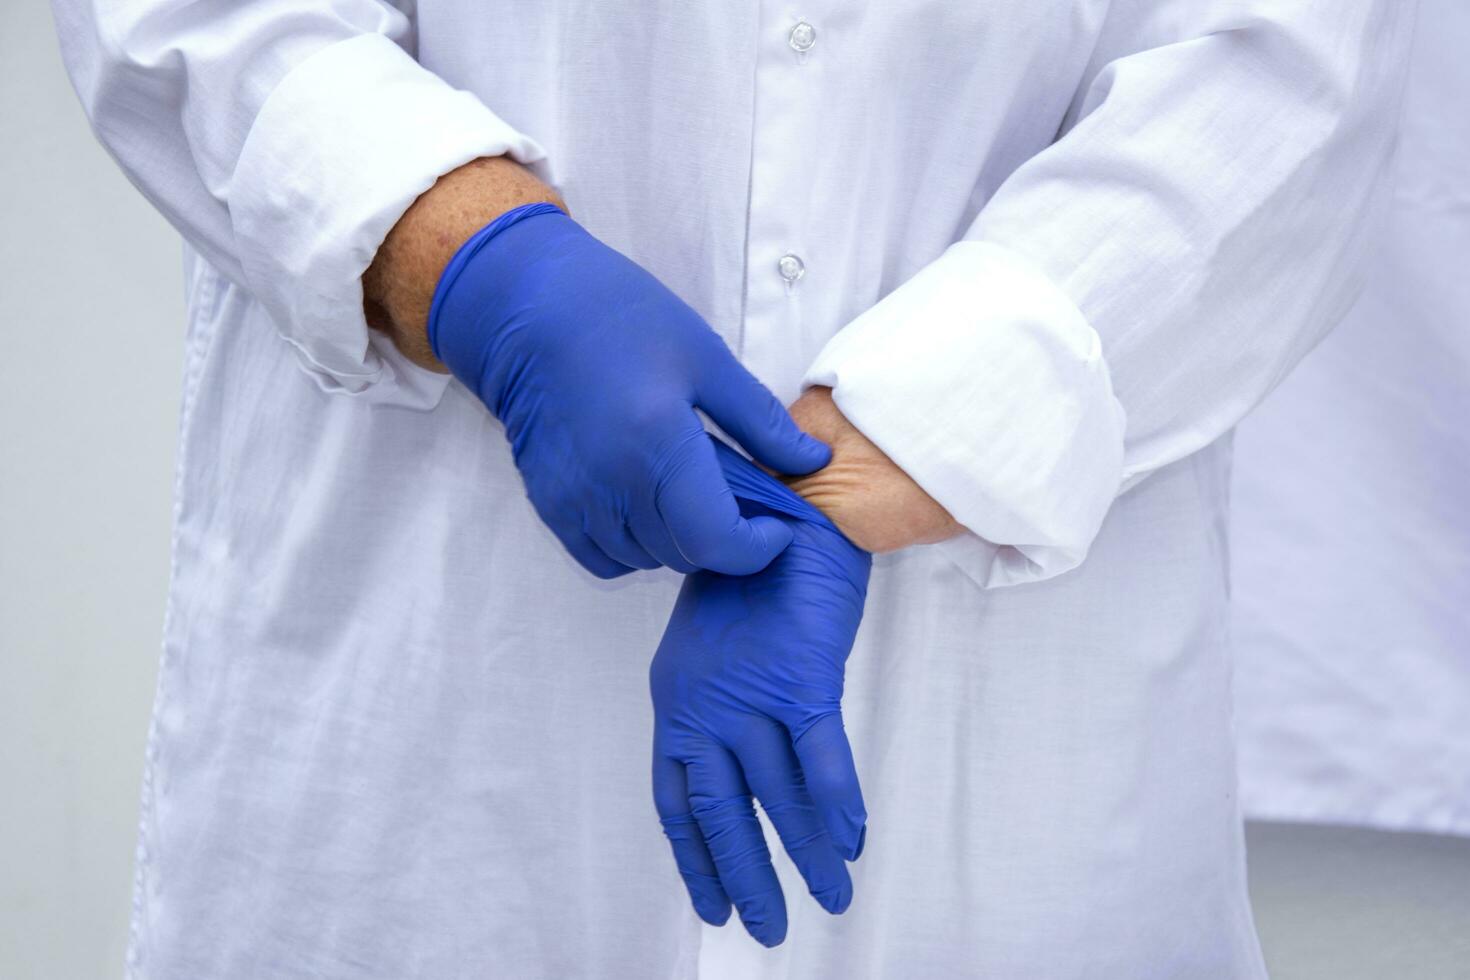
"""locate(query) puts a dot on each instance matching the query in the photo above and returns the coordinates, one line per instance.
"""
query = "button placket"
(801, 38)
(773, 329)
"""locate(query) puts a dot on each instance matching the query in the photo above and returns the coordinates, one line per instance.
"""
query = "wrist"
(870, 499)
(399, 285)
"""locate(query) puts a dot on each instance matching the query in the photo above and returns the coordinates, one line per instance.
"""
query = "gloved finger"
(704, 520)
(774, 774)
(831, 778)
(586, 552)
(691, 855)
(755, 418)
(617, 542)
(649, 531)
(720, 801)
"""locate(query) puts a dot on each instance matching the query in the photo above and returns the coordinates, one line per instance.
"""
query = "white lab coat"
(399, 733)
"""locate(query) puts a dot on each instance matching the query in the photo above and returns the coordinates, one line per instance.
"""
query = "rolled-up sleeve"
(283, 140)
(1131, 292)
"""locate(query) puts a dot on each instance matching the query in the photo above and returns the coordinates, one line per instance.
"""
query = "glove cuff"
(464, 256)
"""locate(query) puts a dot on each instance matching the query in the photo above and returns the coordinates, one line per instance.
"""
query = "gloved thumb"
(753, 417)
(703, 518)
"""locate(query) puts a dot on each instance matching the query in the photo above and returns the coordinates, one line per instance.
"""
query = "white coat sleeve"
(1132, 291)
(283, 139)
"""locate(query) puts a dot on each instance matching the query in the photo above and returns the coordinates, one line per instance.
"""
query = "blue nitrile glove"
(595, 369)
(747, 697)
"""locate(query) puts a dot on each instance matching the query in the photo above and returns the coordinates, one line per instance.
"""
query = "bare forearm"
(865, 493)
(399, 285)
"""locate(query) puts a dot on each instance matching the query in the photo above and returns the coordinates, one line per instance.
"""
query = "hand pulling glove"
(595, 369)
(747, 693)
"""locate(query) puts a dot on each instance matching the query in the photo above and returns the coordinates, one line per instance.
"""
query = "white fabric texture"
(1351, 538)
(1006, 336)
(1209, 147)
(283, 141)
(399, 733)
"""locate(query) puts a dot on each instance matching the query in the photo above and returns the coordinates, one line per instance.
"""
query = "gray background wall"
(91, 327)
(91, 324)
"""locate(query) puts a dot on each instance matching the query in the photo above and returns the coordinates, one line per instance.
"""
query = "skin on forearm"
(862, 491)
(399, 286)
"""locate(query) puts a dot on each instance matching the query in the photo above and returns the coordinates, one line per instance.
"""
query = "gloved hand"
(747, 692)
(595, 369)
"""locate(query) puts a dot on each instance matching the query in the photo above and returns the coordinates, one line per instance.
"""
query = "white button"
(803, 36)
(791, 267)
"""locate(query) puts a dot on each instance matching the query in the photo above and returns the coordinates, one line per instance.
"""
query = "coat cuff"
(983, 381)
(344, 144)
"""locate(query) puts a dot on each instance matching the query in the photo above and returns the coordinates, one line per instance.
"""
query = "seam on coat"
(204, 295)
